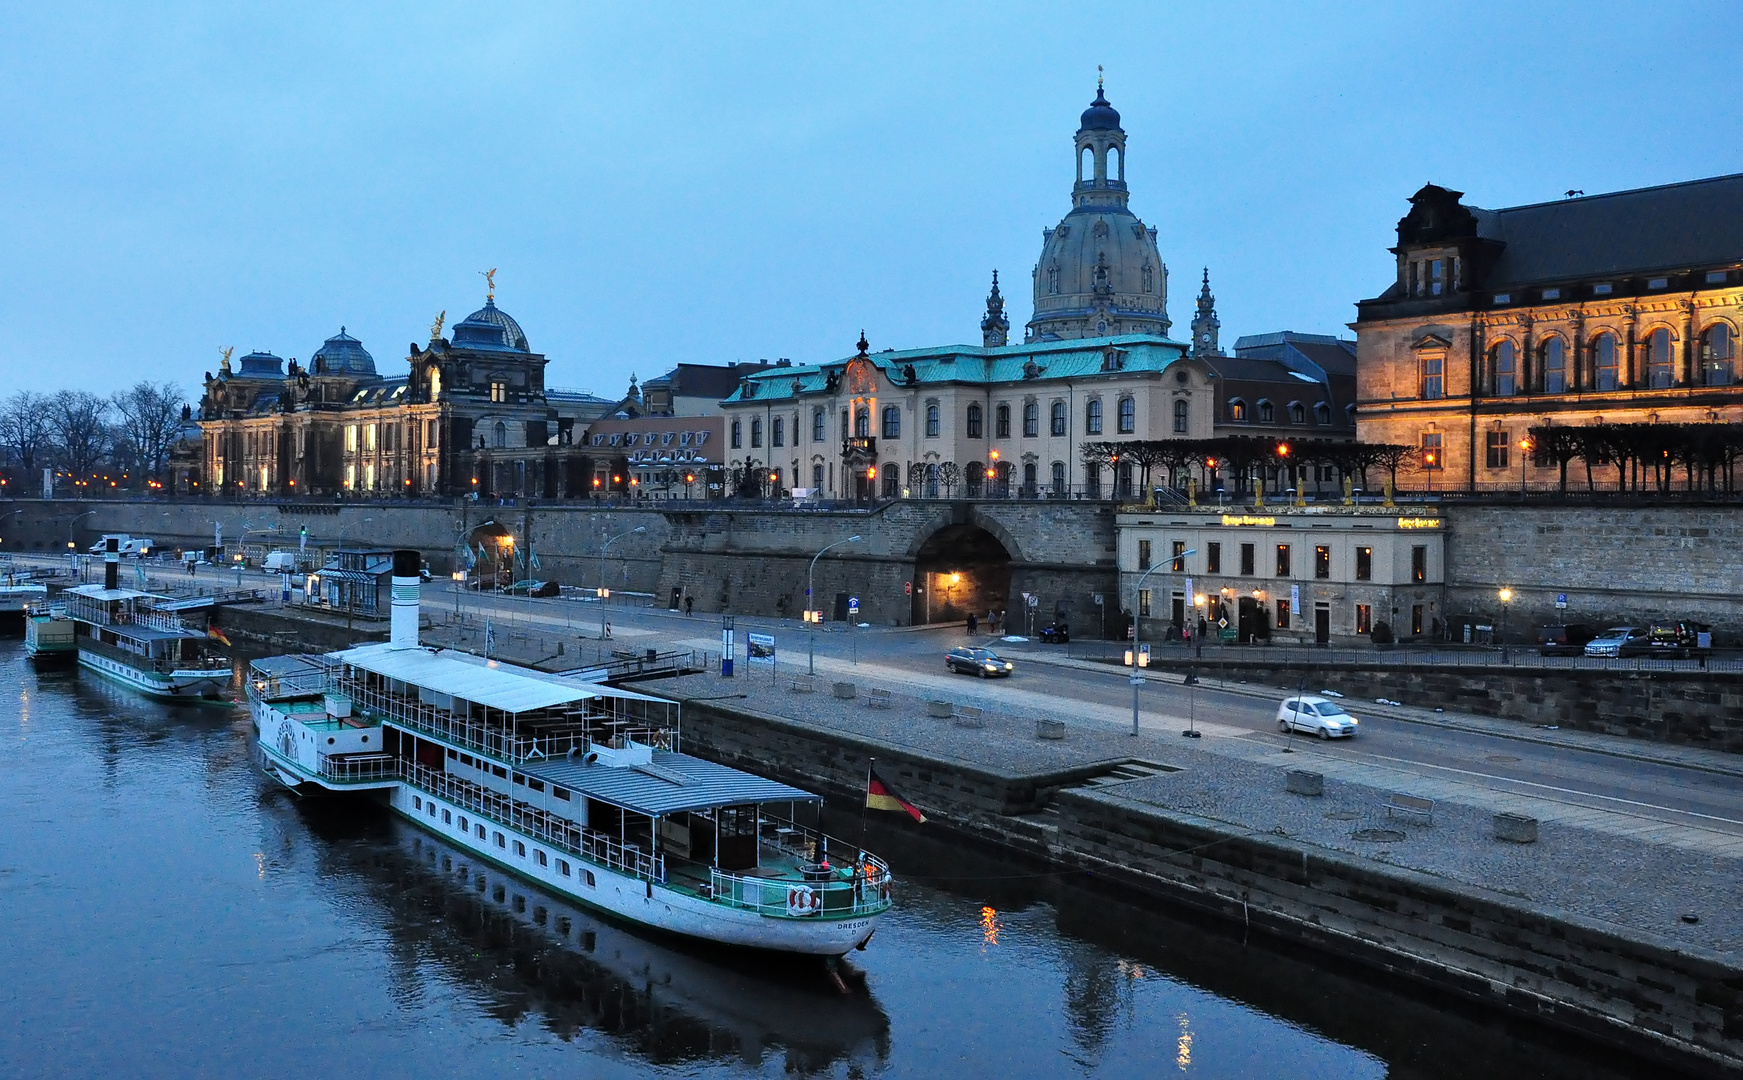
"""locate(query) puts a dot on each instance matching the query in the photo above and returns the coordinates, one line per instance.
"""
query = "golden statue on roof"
(224, 364)
(489, 283)
(436, 327)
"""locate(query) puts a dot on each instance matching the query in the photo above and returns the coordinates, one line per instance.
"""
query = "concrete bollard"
(845, 691)
(1302, 782)
(944, 710)
(1049, 729)
(1516, 828)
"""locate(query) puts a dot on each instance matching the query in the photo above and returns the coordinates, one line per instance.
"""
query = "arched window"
(862, 423)
(1237, 410)
(1085, 165)
(973, 424)
(1606, 363)
(892, 483)
(1053, 279)
(1297, 413)
(1716, 355)
(932, 421)
(1182, 416)
(892, 422)
(817, 425)
(500, 434)
(1128, 416)
(1057, 426)
(1504, 362)
(1149, 278)
(1092, 479)
(1092, 417)
(973, 479)
(817, 476)
(931, 481)
(1059, 491)
(1267, 414)
(1030, 480)
(756, 433)
(1660, 367)
(1116, 164)
(1002, 422)
(1552, 361)
(1031, 419)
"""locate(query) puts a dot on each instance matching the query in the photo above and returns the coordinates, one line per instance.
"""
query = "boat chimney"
(111, 563)
(407, 584)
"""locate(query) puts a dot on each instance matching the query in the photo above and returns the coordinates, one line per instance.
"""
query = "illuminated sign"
(1418, 523)
(1247, 519)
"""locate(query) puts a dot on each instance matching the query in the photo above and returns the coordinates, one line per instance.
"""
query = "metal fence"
(1516, 658)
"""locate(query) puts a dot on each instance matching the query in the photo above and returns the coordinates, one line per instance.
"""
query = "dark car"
(1055, 633)
(532, 587)
(1569, 640)
(982, 662)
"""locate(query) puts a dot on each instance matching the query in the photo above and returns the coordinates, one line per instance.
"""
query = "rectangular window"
(1283, 614)
(1657, 283)
(1179, 566)
(1416, 620)
(351, 437)
(817, 425)
(1495, 452)
(1002, 422)
(1603, 288)
(447, 817)
(1322, 562)
(1144, 602)
(1503, 298)
(1213, 558)
(1364, 564)
(1283, 560)
(1247, 560)
(1552, 294)
(1431, 453)
(369, 439)
(756, 434)
(1431, 377)
(1128, 416)
(1419, 564)
(1143, 554)
(1364, 619)
(778, 432)
(499, 391)
(1436, 276)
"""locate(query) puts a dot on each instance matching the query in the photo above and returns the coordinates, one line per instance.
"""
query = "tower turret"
(1205, 324)
(995, 329)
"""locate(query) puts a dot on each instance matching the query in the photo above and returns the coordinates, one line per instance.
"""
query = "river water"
(165, 912)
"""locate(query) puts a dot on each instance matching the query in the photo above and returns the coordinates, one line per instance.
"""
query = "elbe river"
(167, 912)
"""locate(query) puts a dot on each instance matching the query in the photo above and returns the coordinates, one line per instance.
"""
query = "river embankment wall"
(1657, 998)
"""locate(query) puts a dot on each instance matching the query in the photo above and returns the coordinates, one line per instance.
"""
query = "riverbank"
(1584, 930)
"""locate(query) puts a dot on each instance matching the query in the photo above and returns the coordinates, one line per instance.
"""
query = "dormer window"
(1603, 288)
(1716, 277)
(1658, 283)
(1297, 413)
(701, 437)
(1436, 277)
(1267, 413)
(1322, 414)
(1552, 294)
(1237, 410)
(1503, 298)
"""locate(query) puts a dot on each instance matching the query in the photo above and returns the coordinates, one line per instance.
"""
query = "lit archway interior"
(958, 570)
(493, 551)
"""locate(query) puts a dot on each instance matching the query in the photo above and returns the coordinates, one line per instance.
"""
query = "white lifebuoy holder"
(802, 900)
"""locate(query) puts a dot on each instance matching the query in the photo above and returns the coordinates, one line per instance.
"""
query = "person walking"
(992, 622)
(689, 604)
(973, 624)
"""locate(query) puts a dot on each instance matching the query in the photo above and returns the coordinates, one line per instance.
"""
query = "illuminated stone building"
(1619, 308)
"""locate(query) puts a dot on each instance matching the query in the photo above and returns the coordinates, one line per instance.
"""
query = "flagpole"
(865, 799)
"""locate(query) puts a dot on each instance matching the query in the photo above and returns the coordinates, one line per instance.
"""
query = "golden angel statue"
(489, 283)
(224, 364)
(436, 327)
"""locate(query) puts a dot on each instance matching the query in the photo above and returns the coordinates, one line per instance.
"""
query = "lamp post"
(1138, 629)
(811, 615)
(1506, 596)
(1524, 456)
(605, 593)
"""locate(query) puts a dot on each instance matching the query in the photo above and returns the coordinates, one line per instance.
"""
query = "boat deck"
(313, 715)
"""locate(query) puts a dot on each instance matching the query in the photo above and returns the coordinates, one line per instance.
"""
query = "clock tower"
(1205, 324)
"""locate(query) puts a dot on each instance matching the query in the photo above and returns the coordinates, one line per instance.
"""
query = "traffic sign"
(908, 588)
(853, 605)
(1561, 600)
(1224, 623)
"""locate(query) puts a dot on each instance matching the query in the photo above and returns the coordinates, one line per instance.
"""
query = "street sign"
(1098, 600)
(1295, 599)
(1561, 600)
(853, 605)
(1034, 601)
(1224, 623)
(762, 648)
(908, 588)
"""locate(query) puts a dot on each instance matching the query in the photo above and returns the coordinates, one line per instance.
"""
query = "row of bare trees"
(1241, 458)
(1645, 457)
(79, 432)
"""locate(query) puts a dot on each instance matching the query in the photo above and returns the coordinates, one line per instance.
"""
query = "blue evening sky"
(660, 183)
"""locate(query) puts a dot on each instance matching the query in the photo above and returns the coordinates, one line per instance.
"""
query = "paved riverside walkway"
(1613, 865)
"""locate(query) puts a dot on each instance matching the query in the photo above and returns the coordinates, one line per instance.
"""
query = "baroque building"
(1617, 308)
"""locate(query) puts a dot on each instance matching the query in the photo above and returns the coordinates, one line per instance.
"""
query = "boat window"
(589, 874)
(465, 759)
(447, 817)
(432, 809)
(536, 785)
(539, 857)
(417, 803)
(463, 826)
(561, 793)
(499, 771)
(479, 829)
(519, 848)
(518, 778)
(563, 867)
(501, 840)
(453, 753)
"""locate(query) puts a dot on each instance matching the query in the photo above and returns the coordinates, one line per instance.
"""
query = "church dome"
(490, 328)
(1100, 116)
(342, 354)
(260, 365)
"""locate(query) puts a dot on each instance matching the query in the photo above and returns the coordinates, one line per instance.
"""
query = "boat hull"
(190, 685)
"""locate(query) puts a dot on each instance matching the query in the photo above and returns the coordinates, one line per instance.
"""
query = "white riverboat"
(18, 600)
(578, 787)
(123, 634)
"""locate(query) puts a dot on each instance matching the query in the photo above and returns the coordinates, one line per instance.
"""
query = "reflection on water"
(169, 913)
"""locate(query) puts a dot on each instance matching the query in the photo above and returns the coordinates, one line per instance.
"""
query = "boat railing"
(267, 687)
(856, 883)
(556, 832)
(355, 768)
(143, 662)
(442, 724)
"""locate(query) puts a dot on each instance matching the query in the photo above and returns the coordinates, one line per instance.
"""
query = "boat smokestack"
(111, 563)
(407, 585)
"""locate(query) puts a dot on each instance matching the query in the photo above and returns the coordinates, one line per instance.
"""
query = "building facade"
(1290, 574)
(1618, 309)
(658, 457)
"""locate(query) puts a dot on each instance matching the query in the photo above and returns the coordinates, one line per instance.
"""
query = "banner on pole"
(761, 648)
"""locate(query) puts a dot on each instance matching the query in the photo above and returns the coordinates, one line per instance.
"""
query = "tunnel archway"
(960, 569)
(493, 554)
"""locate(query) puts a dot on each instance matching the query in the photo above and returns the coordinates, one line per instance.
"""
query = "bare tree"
(949, 475)
(79, 423)
(24, 429)
(148, 420)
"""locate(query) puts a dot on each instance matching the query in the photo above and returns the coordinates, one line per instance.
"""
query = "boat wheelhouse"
(49, 637)
(580, 787)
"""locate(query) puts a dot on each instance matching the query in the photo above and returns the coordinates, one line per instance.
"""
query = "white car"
(1316, 716)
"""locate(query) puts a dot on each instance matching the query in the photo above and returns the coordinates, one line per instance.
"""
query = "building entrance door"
(840, 607)
(1322, 624)
(1249, 619)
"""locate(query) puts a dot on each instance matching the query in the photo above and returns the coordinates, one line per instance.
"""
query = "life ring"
(802, 900)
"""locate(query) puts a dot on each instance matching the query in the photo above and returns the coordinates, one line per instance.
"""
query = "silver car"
(1316, 716)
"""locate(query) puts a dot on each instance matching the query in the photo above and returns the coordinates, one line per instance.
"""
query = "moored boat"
(126, 635)
(579, 787)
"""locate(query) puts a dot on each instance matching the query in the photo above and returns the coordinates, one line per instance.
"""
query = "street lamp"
(812, 616)
(605, 593)
(1524, 456)
(1138, 628)
(1506, 596)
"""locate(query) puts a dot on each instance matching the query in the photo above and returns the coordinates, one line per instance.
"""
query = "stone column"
(1688, 342)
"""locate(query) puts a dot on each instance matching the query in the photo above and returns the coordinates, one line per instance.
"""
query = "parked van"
(281, 562)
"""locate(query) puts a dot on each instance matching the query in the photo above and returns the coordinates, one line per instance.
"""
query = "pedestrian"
(689, 604)
(973, 624)
(992, 622)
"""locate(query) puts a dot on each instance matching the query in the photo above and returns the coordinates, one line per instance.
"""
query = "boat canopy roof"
(98, 592)
(672, 784)
(504, 687)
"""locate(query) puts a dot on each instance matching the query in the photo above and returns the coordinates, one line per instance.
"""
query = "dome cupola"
(490, 328)
(260, 365)
(342, 354)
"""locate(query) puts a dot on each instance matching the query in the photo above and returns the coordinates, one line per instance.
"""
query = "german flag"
(880, 796)
(212, 631)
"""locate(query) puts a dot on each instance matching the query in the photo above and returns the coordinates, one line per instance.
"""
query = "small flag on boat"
(212, 631)
(880, 796)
